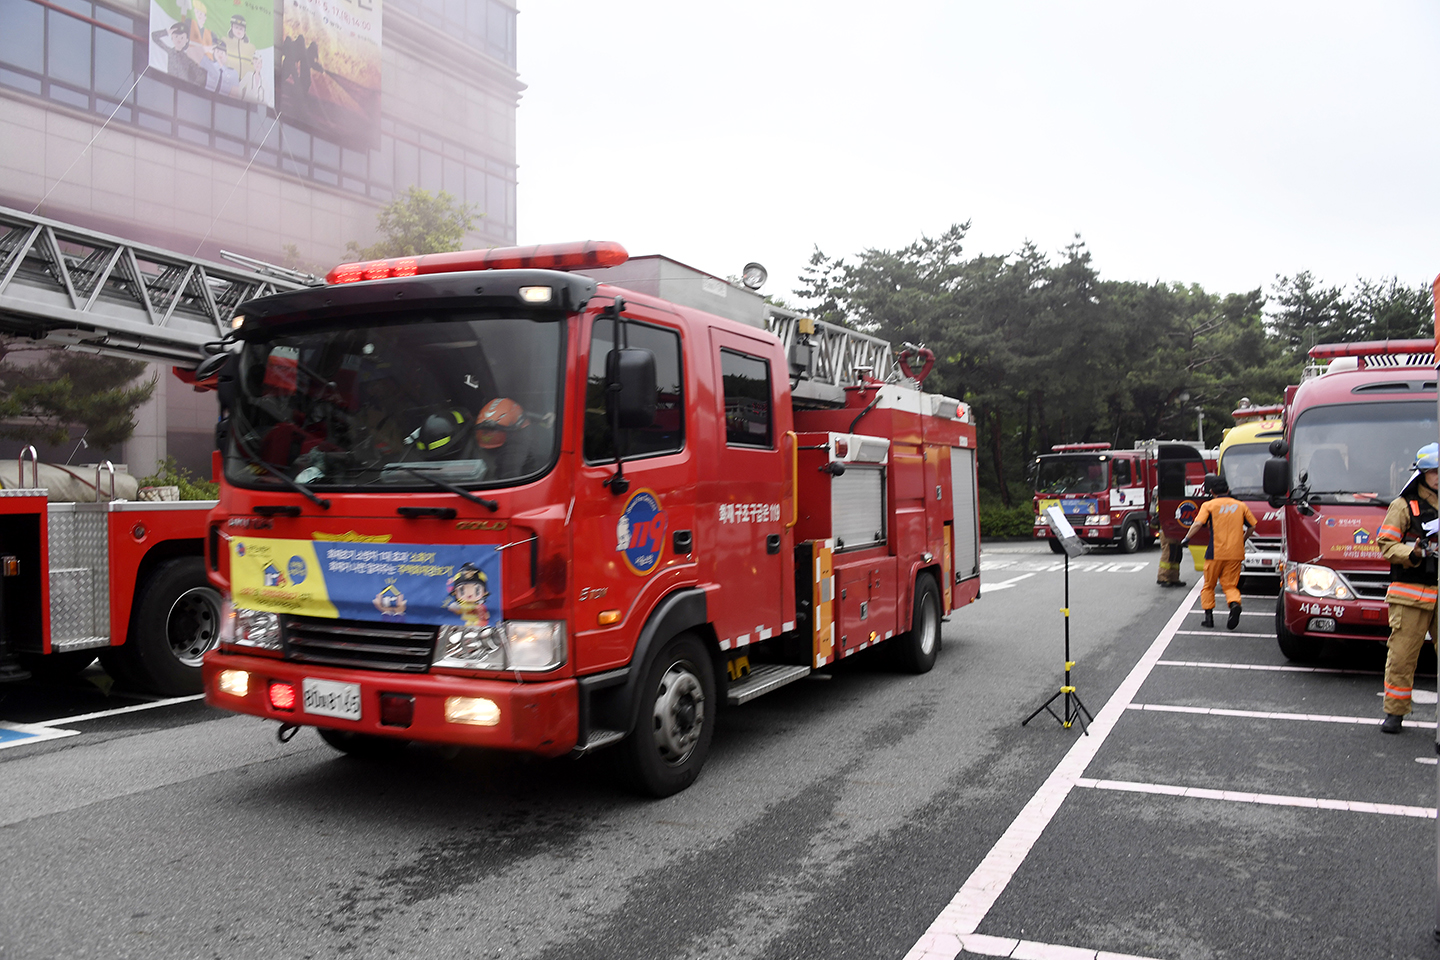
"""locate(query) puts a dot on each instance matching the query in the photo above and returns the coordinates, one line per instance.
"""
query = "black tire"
(1130, 537)
(1296, 648)
(175, 621)
(363, 746)
(671, 739)
(1055, 545)
(915, 651)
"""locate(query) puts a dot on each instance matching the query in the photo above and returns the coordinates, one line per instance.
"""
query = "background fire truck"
(87, 569)
(1108, 495)
(472, 501)
(1352, 428)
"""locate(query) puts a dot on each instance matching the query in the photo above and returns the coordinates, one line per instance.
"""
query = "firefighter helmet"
(1215, 485)
(497, 419)
(443, 434)
(1428, 457)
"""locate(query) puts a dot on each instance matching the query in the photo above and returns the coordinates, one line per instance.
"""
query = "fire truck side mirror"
(1277, 476)
(1279, 448)
(630, 382)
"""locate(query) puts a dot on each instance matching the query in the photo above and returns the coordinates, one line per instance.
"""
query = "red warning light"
(545, 256)
(282, 695)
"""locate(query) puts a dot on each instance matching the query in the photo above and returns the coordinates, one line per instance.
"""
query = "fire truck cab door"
(745, 496)
(1180, 482)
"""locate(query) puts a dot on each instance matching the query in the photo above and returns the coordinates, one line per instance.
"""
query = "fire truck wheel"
(916, 651)
(677, 719)
(176, 620)
(1055, 546)
(363, 746)
(1296, 648)
(1130, 537)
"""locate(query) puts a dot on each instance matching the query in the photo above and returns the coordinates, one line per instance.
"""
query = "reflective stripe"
(1398, 693)
(1386, 529)
(1411, 591)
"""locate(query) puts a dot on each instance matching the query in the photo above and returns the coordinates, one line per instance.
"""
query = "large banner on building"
(329, 76)
(227, 48)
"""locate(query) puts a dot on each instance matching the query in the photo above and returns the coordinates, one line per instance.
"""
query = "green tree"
(418, 222)
(45, 392)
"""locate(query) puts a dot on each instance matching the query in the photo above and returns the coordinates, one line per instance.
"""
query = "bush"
(171, 474)
(1001, 521)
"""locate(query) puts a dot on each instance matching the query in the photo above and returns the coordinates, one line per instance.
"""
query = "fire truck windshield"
(1356, 453)
(1071, 474)
(465, 398)
(1243, 466)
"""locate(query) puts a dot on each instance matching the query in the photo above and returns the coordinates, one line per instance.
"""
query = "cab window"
(747, 399)
(1121, 469)
(667, 433)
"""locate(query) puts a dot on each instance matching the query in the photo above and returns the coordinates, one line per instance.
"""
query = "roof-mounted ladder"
(824, 362)
(92, 292)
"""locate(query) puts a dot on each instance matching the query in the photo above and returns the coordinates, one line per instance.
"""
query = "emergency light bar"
(544, 256)
(1068, 447)
(1371, 348)
(1271, 411)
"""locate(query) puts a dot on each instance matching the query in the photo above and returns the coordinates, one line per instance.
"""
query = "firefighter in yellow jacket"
(1230, 523)
(1407, 540)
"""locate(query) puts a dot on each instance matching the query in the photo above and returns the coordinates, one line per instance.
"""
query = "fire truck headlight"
(249, 628)
(471, 647)
(535, 644)
(1317, 581)
(1097, 520)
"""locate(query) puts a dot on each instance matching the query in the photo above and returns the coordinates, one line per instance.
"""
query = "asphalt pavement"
(862, 813)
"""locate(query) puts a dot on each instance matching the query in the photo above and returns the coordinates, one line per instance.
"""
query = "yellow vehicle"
(1243, 453)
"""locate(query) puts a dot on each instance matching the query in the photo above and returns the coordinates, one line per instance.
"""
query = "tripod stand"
(1075, 710)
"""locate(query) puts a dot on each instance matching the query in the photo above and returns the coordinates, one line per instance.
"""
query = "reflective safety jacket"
(1412, 582)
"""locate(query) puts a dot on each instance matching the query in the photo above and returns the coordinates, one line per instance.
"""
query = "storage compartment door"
(967, 519)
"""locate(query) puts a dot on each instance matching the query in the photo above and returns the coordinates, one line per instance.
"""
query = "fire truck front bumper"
(1345, 620)
(540, 718)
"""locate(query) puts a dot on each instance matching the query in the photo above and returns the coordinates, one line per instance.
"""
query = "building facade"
(275, 129)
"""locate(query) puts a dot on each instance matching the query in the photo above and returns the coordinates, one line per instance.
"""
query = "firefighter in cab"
(1230, 523)
(1407, 540)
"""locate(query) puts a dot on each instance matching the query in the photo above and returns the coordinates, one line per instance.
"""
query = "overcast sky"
(1214, 143)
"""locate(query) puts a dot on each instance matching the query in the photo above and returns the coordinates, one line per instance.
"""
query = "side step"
(763, 678)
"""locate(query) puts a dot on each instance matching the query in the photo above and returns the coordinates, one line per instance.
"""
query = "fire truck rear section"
(782, 498)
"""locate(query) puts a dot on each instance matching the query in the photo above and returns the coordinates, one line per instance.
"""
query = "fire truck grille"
(1368, 584)
(358, 644)
(1267, 544)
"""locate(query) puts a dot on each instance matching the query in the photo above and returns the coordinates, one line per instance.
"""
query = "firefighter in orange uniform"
(1407, 540)
(1230, 523)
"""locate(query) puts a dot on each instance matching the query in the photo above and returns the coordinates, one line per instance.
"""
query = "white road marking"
(119, 710)
(1270, 799)
(1263, 715)
(1030, 950)
(961, 917)
(1426, 760)
(1220, 631)
(1271, 667)
(1003, 584)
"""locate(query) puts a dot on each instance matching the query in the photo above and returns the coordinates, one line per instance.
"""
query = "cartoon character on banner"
(468, 593)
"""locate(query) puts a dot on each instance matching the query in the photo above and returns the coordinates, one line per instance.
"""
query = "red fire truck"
(118, 578)
(1105, 493)
(486, 499)
(1351, 432)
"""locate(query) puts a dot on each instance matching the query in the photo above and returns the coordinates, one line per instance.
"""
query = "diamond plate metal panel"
(72, 605)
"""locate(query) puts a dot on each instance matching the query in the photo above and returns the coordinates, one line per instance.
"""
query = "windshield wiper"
(294, 484)
(1368, 497)
(446, 485)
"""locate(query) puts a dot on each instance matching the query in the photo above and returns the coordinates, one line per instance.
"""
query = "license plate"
(331, 699)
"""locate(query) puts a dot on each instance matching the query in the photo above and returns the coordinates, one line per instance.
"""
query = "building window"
(88, 56)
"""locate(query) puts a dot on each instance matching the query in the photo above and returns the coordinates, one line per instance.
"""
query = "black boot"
(1233, 621)
(1209, 620)
(1392, 723)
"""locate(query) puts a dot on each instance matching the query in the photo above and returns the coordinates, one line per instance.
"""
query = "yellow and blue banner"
(394, 582)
